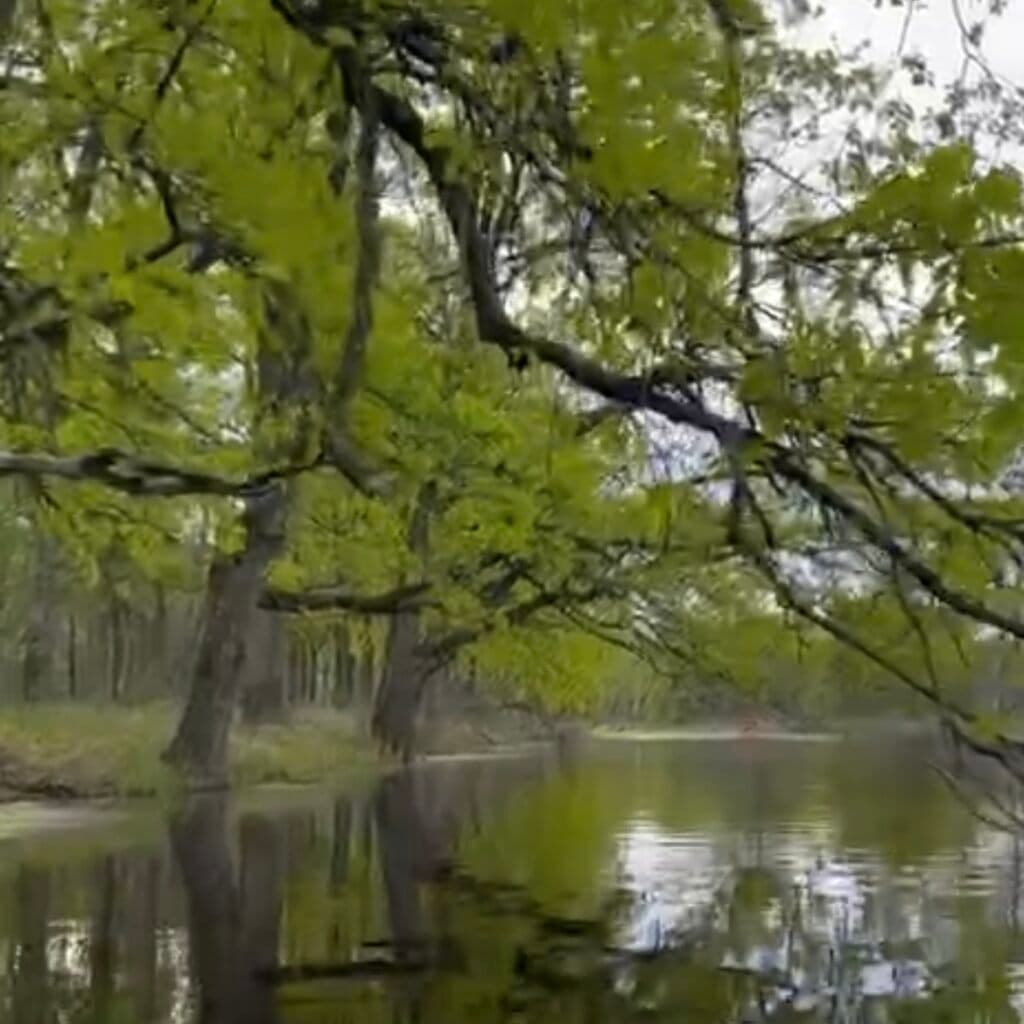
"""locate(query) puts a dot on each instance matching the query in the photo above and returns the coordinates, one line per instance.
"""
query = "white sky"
(932, 31)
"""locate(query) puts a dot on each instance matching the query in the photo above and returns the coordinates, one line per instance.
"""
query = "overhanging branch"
(405, 598)
(458, 201)
(142, 477)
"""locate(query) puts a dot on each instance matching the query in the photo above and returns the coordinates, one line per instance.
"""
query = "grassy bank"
(75, 750)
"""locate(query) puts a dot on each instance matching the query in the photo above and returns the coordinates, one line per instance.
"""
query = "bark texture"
(265, 698)
(199, 749)
(408, 661)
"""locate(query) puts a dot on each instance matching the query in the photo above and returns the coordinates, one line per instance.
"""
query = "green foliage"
(560, 670)
(180, 201)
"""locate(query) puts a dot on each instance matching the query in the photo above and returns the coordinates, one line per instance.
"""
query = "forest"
(611, 361)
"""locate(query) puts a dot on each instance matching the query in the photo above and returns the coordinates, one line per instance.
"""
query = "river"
(715, 881)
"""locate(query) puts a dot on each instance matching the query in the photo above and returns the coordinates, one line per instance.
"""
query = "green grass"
(312, 747)
(109, 750)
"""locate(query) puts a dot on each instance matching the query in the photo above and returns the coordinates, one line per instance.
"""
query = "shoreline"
(67, 756)
(79, 755)
(33, 816)
(711, 734)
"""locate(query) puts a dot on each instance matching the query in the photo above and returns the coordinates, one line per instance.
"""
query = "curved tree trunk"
(285, 379)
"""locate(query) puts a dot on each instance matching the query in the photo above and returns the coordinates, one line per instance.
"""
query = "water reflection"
(233, 913)
(692, 882)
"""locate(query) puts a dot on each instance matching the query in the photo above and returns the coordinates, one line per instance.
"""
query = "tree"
(262, 374)
(596, 248)
(826, 414)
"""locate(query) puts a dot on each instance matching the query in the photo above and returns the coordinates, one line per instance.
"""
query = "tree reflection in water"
(719, 888)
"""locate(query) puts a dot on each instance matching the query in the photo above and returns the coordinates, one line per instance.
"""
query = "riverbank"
(68, 752)
(76, 751)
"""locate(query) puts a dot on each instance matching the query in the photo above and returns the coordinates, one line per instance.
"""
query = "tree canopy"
(546, 331)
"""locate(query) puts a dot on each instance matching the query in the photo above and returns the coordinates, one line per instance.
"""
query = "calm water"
(652, 882)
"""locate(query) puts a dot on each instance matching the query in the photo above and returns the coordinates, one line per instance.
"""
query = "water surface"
(718, 881)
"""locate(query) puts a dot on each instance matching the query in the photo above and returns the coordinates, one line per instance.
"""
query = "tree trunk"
(408, 664)
(312, 668)
(294, 669)
(308, 673)
(266, 688)
(200, 746)
(343, 689)
(117, 648)
(407, 668)
(316, 670)
(368, 679)
(72, 657)
(157, 647)
(40, 638)
(364, 682)
(286, 382)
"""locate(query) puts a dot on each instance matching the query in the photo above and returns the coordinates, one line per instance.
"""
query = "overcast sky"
(932, 30)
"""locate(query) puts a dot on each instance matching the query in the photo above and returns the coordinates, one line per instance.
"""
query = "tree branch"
(788, 598)
(121, 471)
(494, 326)
(976, 522)
(884, 540)
(405, 598)
(458, 201)
(368, 260)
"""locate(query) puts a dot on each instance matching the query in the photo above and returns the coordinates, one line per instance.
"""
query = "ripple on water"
(1015, 980)
(848, 892)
